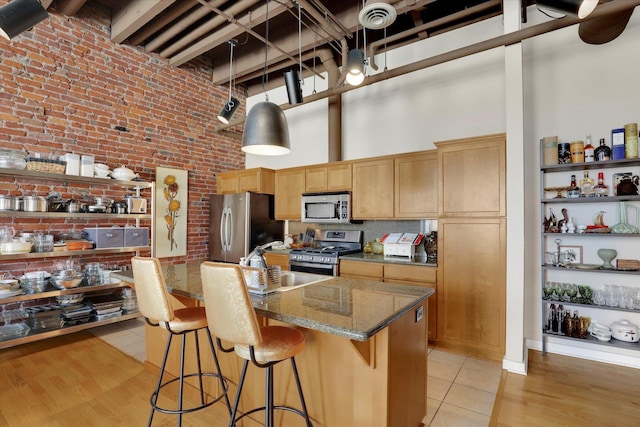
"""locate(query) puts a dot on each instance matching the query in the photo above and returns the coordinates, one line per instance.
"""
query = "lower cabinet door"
(472, 286)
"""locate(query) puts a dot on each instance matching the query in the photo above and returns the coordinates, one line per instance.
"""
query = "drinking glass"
(571, 291)
(548, 290)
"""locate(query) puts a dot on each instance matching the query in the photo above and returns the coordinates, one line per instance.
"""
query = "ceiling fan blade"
(604, 29)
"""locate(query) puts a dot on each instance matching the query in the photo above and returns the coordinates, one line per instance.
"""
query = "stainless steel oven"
(322, 258)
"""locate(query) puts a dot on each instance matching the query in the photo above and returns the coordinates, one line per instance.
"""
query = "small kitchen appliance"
(322, 257)
(403, 244)
(326, 208)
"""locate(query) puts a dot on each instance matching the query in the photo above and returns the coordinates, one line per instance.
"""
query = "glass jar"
(377, 247)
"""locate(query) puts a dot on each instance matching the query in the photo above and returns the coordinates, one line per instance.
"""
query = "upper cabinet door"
(290, 184)
(329, 177)
(339, 177)
(259, 180)
(227, 182)
(416, 185)
(372, 196)
(471, 177)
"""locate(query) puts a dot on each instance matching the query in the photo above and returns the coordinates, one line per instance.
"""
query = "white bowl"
(100, 166)
(15, 247)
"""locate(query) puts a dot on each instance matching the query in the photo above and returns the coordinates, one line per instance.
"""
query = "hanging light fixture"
(355, 67)
(292, 77)
(579, 8)
(19, 16)
(266, 132)
(232, 103)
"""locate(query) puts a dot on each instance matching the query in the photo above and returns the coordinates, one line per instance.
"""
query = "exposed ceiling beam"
(133, 16)
(162, 24)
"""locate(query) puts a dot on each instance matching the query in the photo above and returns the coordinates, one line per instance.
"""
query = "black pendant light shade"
(265, 131)
(228, 110)
(579, 8)
(294, 91)
(20, 15)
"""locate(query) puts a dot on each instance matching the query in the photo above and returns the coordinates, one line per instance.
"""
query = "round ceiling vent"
(377, 15)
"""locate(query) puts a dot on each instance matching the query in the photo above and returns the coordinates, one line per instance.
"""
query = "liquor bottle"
(601, 190)
(568, 323)
(550, 317)
(589, 151)
(586, 185)
(554, 320)
(575, 325)
(573, 182)
(561, 325)
(602, 153)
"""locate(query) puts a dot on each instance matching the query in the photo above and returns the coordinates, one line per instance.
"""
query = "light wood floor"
(79, 380)
(565, 391)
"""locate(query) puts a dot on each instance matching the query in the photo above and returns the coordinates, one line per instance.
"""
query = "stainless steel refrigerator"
(240, 222)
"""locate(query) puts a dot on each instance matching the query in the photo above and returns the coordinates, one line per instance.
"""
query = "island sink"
(290, 280)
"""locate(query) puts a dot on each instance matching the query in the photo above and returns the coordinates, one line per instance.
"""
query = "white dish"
(114, 281)
(8, 293)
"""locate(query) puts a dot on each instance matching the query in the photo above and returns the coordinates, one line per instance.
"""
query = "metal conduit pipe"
(373, 47)
(503, 40)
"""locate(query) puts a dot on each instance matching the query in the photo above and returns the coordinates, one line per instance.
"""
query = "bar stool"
(233, 319)
(155, 306)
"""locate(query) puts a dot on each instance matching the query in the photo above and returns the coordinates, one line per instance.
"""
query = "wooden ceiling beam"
(134, 15)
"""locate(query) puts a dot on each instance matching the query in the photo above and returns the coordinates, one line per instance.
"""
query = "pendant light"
(266, 132)
(232, 103)
(355, 67)
(292, 77)
(579, 8)
(356, 61)
(19, 16)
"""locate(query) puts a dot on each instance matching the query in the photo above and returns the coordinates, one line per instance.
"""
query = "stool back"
(230, 314)
(151, 289)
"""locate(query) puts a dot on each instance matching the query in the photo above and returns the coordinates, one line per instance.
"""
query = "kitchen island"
(365, 358)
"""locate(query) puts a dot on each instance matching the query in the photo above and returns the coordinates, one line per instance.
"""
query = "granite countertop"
(361, 256)
(352, 308)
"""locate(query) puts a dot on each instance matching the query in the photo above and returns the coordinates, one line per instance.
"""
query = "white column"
(515, 359)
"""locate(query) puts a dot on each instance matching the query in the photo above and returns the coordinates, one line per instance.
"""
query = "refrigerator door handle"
(228, 228)
(222, 231)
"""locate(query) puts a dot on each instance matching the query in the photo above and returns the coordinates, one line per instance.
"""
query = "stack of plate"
(9, 288)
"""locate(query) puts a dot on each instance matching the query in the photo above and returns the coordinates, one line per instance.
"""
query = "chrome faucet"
(259, 253)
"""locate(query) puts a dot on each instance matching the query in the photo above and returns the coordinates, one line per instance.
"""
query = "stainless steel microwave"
(326, 208)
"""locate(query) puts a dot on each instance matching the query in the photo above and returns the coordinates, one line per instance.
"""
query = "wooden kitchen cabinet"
(289, 186)
(329, 177)
(259, 180)
(418, 275)
(472, 286)
(361, 269)
(274, 258)
(415, 275)
(372, 196)
(471, 177)
(416, 185)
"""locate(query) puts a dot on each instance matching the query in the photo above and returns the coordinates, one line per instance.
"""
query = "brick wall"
(65, 87)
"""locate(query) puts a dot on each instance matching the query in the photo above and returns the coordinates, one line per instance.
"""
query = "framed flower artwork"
(171, 212)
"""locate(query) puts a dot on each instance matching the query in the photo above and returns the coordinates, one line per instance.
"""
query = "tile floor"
(128, 336)
(460, 390)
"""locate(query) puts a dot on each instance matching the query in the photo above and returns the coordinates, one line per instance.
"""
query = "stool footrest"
(264, 408)
(192, 409)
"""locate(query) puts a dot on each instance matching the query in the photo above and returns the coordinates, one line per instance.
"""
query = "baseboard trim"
(617, 356)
